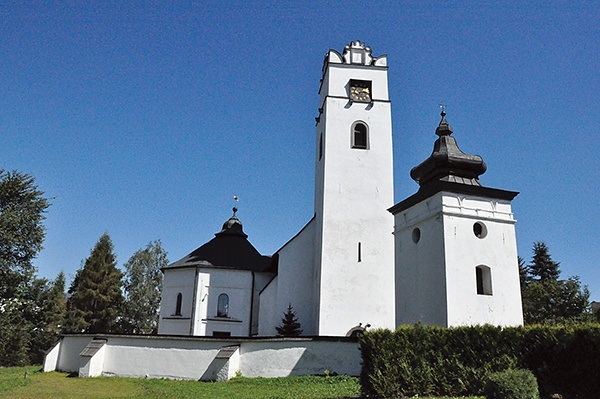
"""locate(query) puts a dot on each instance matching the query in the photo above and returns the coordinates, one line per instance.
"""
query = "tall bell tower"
(354, 247)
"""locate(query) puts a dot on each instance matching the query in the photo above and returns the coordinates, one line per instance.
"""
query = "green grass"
(61, 385)
(39, 385)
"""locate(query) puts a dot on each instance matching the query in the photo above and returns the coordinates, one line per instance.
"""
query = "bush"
(511, 384)
(438, 361)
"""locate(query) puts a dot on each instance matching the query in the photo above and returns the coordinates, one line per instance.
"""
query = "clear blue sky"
(144, 120)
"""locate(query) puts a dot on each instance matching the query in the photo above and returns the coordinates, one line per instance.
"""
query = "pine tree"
(143, 285)
(546, 298)
(96, 300)
(542, 267)
(45, 313)
(524, 277)
(289, 324)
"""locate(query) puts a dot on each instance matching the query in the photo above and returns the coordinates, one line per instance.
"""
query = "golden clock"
(360, 91)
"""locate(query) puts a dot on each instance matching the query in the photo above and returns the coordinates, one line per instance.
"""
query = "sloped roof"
(230, 249)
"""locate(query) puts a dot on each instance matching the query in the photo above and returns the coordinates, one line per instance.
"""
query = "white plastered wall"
(177, 281)
(354, 187)
(465, 251)
(267, 318)
(294, 280)
(420, 267)
(237, 285)
(436, 278)
(195, 357)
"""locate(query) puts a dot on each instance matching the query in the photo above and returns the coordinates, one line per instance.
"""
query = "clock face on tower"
(360, 90)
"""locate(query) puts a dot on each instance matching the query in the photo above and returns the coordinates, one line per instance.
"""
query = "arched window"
(483, 275)
(178, 304)
(223, 306)
(360, 136)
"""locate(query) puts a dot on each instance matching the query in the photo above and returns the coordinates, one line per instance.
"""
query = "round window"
(479, 230)
(416, 235)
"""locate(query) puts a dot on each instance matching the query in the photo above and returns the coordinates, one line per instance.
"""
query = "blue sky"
(144, 119)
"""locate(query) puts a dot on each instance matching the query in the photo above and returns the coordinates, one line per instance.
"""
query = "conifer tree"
(289, 324)
(546, 298)
(46, 314)
(143, 285)
(542, 267)
(96, 299)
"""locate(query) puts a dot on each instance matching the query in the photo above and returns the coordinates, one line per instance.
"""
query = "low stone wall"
(201, 358)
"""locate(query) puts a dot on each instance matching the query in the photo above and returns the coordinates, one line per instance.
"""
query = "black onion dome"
(232, 227)
(447, 162)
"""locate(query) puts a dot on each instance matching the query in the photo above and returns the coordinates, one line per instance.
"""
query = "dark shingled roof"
(447, 162)
(230, 249)
(451, 170)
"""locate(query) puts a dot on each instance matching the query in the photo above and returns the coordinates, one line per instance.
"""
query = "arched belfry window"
(223, 306)
(178, 304)
(483, 275)
(360, 135)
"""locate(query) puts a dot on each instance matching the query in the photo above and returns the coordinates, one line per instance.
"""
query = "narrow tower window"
(483, 275)
(223, 306)
(359, 252)
(178, 304)
(320, 146)
(360, 136)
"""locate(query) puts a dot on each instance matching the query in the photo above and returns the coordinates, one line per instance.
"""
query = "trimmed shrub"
(438, 361)
(511, 384)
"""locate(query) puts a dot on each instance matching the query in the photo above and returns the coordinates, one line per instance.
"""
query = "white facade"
(200, 290)
(356, 262)
(354, 247)
(437, 256)
(197, 358)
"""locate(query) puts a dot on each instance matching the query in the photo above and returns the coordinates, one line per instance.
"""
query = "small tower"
(354, 247)
(456, 252)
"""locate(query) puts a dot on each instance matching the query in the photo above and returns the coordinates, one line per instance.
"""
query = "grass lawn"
(39, 385)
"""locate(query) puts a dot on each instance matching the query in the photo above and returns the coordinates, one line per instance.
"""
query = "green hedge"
(456, 361)
(511, 384)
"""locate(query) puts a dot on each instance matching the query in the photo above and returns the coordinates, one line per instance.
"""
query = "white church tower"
(456, 251)
(353, 280)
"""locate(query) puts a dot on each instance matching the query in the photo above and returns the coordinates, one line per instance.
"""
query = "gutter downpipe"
(195, 296)
(251, 306)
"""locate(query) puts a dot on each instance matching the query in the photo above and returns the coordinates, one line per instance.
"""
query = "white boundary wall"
(201, 358)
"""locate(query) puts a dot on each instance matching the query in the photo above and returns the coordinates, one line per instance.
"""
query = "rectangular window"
(221, 334)
(483, 275)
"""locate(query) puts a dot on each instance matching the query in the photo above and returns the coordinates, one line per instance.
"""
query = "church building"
(444, 256)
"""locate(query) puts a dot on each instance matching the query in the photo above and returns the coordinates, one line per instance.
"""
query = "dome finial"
(235, 208)
(444, 128)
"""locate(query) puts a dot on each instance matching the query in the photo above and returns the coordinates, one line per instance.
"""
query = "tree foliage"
(22, 212)
(95, 297)
(542, 267)
(546, 298)
(289, 324)
(143, 285)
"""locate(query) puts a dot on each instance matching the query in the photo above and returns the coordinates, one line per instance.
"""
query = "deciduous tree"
(22, 232)
(143, 285)
(22, 212)
(546, 298)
